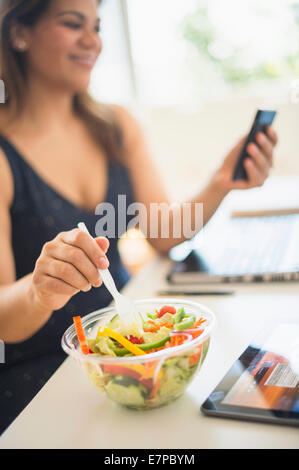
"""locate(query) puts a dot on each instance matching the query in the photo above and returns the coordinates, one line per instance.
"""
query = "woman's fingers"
(103, 243)
(258, 166)
(272, 135)
(68, 273)
(255, 177)
(266, 146)
(91, 248)
(260, 159)
(76, 257)
(67, 265)
(58, 286)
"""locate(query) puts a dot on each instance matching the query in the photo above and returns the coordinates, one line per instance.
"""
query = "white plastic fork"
(125, 307)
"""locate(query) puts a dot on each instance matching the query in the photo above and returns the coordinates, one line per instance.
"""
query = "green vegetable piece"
(114, 322)
(156, 344)
(92, 344)
(127, 396)
(145, 347)
(185, 324)
(121, 351)
(153, 316)
(178, 317)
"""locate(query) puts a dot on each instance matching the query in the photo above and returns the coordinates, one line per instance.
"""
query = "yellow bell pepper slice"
(103, 331)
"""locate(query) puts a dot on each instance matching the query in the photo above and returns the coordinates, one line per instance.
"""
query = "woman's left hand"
(257, 167)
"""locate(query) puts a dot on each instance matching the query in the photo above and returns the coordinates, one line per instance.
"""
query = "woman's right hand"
(67, 265)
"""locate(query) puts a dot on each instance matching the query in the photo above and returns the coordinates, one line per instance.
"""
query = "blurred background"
(193, 72)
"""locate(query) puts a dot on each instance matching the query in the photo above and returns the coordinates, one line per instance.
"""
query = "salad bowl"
(166, 367)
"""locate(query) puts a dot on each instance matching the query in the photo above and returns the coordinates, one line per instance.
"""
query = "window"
(187, 51)
(112, 77)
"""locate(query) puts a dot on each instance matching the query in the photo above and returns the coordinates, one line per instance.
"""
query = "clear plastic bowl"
(147, 381)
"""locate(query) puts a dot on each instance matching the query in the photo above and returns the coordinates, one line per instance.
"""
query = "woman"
(61, 155)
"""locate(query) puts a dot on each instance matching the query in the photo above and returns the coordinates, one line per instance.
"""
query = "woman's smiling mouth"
(84, 60)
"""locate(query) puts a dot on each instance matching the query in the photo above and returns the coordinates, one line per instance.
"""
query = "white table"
(70, 413)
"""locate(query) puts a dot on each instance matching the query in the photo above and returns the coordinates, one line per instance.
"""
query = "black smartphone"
(263, 118)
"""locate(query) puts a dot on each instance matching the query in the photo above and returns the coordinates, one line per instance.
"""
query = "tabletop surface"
(70, 413)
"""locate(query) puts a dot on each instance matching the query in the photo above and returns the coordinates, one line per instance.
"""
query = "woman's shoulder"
(125, 115)
(6, 177)
(128, 123)
(6, 180)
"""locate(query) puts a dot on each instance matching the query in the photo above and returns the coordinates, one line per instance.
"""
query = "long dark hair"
(100, 119)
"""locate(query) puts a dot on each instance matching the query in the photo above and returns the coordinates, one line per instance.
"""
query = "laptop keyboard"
(253, 245)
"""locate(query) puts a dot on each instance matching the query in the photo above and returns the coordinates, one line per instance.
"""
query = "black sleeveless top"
(38, 213)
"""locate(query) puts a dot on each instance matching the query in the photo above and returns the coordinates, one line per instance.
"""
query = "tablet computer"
(263, 384)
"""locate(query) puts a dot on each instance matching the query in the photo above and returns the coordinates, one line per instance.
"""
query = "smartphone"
(263, 118)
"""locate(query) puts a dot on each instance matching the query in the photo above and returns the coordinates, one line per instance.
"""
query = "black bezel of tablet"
(254, 353)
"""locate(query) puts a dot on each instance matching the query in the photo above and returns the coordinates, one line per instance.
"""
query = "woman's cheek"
(61, 39)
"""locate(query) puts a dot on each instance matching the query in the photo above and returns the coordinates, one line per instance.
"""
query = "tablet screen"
(264, 382)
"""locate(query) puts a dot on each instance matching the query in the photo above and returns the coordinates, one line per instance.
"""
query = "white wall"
(187, 147)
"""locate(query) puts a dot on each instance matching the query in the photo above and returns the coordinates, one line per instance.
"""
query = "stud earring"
(21, 45)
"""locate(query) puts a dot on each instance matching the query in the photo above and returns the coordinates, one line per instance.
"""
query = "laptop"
(243, 249)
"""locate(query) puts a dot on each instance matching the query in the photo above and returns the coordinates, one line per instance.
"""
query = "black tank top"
(38, 213)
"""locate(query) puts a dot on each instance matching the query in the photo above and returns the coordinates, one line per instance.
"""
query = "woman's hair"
(100, 119)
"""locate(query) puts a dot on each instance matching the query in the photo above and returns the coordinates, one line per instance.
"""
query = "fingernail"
(103, 263)
(87, 289)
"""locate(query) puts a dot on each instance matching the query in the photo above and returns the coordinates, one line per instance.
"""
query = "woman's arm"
(149, 188)
(20, 316)
(67, 264)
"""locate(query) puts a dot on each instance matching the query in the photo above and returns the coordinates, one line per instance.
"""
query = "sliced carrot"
(81, 335)
(167, 325)
(156, 327)
(199, 322)
(195, 357)
(150, 330)
(155, 389)
(195, 334)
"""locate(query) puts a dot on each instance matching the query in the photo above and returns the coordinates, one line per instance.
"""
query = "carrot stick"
(150, 330)
(155, 389)
(198, 322)
(81, 335)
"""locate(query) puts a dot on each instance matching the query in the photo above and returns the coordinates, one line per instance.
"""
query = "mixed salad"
(148, 383)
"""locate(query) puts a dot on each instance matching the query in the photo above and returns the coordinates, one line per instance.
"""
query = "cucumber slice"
(114, 322)
(178, 317)
(127, 396)
(152, 316)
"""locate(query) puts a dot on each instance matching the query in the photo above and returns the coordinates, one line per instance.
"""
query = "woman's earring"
(21, 45)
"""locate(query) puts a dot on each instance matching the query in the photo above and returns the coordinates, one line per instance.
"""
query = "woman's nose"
(90, 39)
